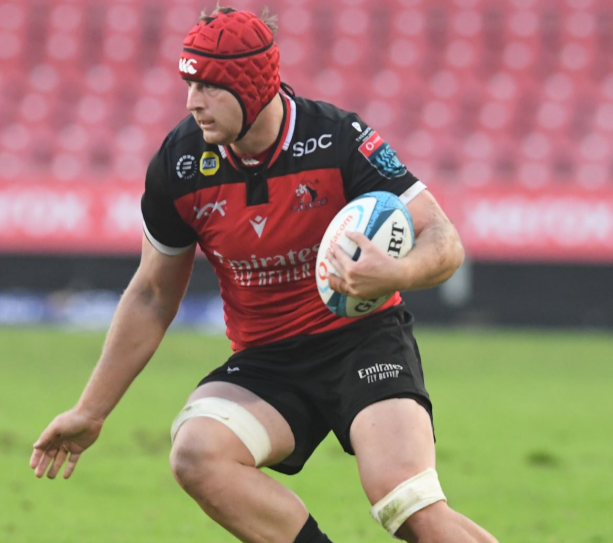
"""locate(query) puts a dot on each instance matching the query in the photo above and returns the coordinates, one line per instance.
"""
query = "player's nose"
(195, 99)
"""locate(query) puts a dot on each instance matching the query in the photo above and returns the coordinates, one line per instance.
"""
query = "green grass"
(524, 423)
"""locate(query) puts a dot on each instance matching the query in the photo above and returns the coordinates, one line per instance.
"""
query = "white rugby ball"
(382, 218)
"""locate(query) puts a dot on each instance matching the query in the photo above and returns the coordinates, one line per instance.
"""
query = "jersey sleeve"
(162, 223)
(370, 164)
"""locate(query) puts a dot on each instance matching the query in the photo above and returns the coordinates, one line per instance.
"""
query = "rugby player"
(253, 177)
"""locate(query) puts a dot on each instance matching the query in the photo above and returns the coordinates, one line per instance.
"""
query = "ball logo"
(365, 305)
(185, 65)
(396, 241)
(209, 163)
(322, 271)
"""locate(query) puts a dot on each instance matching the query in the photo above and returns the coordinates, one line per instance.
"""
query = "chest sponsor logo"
(307, 196)
(209, 209)
(301, 148)
(186, 65)
(258, 225)
(209, 163)
(186, 167)
(258, 271)
(381, 156)
(380, 372)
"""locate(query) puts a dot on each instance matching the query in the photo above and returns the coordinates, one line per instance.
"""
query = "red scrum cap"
(235, 51)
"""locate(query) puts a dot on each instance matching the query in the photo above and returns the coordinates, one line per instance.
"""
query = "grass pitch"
(523, 421)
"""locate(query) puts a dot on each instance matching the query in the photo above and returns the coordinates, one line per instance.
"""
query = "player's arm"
(436, 255)
(143, 315)
(438, 251)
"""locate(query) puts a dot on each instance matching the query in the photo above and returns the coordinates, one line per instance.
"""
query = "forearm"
(136, 331)
(437, 254)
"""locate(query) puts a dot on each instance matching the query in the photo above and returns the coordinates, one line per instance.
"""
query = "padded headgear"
(235, 51)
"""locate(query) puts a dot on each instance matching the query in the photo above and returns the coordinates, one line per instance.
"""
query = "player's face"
(216, 111)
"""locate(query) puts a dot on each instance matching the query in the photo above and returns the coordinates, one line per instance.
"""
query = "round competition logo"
(187, 167)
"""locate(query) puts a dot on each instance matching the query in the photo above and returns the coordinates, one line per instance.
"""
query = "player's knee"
(211, 435)
(195, 457)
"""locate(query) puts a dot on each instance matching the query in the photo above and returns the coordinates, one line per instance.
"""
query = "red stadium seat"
(438, 79)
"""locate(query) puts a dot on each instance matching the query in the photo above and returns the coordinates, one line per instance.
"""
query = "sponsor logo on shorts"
(186, 167)
(209, 163)
(381, 155)
(232, 370)
(380, 372)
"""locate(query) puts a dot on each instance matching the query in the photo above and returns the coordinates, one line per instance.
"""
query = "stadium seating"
(467, 91)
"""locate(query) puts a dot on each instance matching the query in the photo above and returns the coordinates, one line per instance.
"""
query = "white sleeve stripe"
(411, 192)
(164, 249)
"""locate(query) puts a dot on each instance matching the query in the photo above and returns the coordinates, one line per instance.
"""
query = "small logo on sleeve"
(382, 156)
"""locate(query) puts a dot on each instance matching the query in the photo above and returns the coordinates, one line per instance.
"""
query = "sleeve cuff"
(411, 192)
(164, 249)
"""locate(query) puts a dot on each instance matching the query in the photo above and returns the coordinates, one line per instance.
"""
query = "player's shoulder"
(178, 154)
(184, 136)
(317, 111)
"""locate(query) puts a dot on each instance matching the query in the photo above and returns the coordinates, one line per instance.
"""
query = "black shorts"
(320, 382)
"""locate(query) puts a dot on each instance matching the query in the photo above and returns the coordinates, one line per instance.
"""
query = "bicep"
(425, 212)
(163, 277)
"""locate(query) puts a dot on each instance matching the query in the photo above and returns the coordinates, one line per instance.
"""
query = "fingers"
(53, 460)
(35, 458)
(45, 459)
(72, 463)
(59, 459)
(339, 259)
(338, 284)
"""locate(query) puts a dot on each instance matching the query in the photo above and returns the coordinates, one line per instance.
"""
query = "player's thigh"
(393, 441)
(207, 430)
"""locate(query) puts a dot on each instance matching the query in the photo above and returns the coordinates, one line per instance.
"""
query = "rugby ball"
(382, 218)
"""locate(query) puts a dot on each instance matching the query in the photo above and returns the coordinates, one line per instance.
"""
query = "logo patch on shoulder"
(186, 167)
(209, 163)
(382, 156)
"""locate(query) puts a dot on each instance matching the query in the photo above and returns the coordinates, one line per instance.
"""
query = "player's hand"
(68, 435)
(370, 276)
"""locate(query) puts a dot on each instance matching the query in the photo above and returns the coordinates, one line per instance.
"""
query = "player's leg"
(216, 463)
(394, 443)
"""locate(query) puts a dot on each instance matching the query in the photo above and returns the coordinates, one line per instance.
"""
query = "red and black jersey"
(261, 227)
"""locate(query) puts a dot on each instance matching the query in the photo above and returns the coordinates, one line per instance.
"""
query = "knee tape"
(407, 498)
(246, 427)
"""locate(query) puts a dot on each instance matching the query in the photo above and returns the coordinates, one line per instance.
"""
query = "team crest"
(308, 197)
(209, 163)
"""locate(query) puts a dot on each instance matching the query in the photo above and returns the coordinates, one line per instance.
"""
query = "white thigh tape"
(246, 427)
(407, 498)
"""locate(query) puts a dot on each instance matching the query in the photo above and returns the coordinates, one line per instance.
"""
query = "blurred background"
(504, 109)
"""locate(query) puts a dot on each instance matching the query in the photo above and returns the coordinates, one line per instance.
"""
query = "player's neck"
(264, 130)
